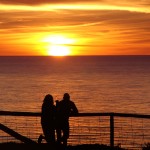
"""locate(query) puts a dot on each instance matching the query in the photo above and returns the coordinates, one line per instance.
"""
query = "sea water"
(95, 83)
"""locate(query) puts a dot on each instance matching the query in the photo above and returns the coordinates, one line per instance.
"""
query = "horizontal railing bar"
(32, 114)
(132, 115)
(12, 113)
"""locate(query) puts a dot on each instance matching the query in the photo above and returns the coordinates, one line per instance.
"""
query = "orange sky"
(86, 27)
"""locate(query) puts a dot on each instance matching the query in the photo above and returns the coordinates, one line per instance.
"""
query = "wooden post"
(16, 135)
(112, 130)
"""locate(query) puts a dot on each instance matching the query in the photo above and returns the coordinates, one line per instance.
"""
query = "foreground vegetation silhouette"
(43, 146)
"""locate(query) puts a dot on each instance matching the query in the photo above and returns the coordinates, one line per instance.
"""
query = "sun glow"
(59, 45)
(58, 50)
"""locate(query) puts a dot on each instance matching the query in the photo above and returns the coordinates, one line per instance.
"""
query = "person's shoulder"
(71, 102)
(61, 101)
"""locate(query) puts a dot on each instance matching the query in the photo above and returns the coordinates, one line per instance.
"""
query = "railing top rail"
(16, 113)
(32, 114)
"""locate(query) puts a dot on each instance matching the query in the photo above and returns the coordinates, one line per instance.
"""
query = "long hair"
(48, 99)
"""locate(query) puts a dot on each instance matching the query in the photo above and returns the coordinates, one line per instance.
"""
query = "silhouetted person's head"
(48, 99)
(66, 96)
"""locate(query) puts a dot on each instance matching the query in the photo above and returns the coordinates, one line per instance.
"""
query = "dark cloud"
(25, 2)
(37, 2)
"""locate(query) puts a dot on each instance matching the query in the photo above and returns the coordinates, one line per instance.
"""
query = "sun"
(58, 45)
(58, 50)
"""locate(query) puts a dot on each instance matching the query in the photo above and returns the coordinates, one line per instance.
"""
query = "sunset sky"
(74, 27)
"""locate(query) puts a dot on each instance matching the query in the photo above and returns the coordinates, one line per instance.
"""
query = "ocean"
(95, 83)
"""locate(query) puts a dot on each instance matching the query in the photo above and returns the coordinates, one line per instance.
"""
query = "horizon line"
(71, 55)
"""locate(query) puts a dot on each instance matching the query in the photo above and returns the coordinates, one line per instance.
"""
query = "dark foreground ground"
(14, 146)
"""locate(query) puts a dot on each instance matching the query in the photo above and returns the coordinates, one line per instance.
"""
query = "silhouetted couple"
(57, 118)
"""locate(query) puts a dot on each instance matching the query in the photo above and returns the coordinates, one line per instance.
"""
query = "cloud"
(105, 2)
(25, 2)
(104, 28)
(37, 2)
(122, 21)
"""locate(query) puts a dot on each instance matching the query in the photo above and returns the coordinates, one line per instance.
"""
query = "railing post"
(112, 130)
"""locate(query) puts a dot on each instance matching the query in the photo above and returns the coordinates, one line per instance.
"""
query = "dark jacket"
(65, 108)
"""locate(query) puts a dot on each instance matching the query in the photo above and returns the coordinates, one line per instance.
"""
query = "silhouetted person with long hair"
(48, 119)
(65, 108)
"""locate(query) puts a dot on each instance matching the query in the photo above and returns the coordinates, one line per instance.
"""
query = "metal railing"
(125, 130)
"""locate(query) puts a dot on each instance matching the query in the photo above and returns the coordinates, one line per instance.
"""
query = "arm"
(74, 110)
